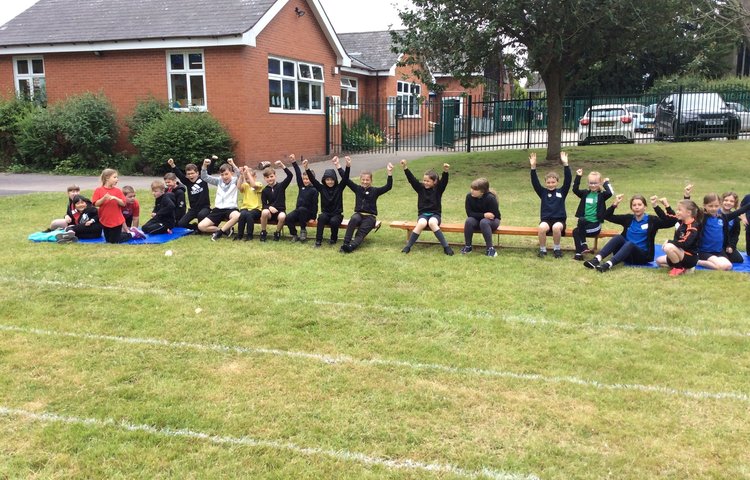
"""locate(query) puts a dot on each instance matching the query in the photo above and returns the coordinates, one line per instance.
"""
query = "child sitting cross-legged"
(162, 216)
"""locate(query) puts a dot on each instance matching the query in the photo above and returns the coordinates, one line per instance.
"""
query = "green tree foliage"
(186, 137)
(145, 112)
(561, 40)
(11, 113)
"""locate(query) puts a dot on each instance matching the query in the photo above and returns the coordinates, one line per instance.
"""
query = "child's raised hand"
(348, 160)
(389, 167)
(170, 162)
(579, 172)
(564, 158)
(532, 159)
(446, 167)
(230, 161)
(305, 163)
(403, 163)
(336, 162)
(664, 202)
(279, 164)
(688, 190)
(606, 180)
(654, 200)
(214, 158)
(618, 199)
(206, 162)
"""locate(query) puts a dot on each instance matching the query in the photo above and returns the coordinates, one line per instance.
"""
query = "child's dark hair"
(170, 176)
(225, 167)
(637, 197)
(709, 198)
(482, 185)
(432, 174)
(191, 166)
(81, 198)
(74, 188)
(692, 208)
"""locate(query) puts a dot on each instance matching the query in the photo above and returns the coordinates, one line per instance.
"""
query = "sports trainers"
(248, 238)
(217, 235)
(406, 249)
(491, 252)
(137, 232)
(345, 248)
(591, 263)
(578, 256)
(333, 241)
(558, 254)
(231, 233)
(604, 267)
(318, 244)
(295, 238)
(466, 249)
(448, 251)
(676, 272)
(302, 234)
(263, 235)
(237, 238)
(541, 254)
(66, 237)
(276, 236)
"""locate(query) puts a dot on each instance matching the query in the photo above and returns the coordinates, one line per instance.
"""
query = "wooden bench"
(344, 223)
(501, 230)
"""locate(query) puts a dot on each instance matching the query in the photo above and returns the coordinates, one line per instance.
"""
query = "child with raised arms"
(225, 205)
(307, 202)
(331, 199)
(365, 214)
(681, 253)
(250, 205)
(274, 200)
(198, 194)
(715, 233)
(483, 215)
(429, 205)
(552, 210)
(590, 210)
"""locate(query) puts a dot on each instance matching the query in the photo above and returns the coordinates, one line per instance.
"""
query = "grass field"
(277, 360)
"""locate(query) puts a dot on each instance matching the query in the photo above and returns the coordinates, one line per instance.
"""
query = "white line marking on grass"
(482, 315)
(345, 359)
(342, 455)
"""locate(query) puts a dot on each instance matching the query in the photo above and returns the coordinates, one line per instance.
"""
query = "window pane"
(24, 89)
(353, 82)
(179, 91)
(22, 66)
(177, 61)
(288, 95)
(196, 61)
(317, 73)
(37, 66)
(274, 67)
(317, 97)
(289, 69)
(345, 83)
(415, 89)
(352, 100)
(344, 97)
(197, 99)
(303, 90)
(304, 71)
(274, 91)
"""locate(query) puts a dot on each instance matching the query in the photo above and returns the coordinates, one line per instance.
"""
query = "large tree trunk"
(555, 85)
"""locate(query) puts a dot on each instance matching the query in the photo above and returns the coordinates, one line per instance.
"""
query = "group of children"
(706, 237)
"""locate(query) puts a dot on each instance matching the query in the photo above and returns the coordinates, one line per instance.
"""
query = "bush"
(88, 125)
(12, 112)
(692, 83)
(364, 134)
(38, 140)
(187, 137)
(144, 113)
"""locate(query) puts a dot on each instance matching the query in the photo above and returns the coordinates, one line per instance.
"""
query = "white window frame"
(31, 77)
(408, 94)
(188, 72)
(346, 89)
(278, 106)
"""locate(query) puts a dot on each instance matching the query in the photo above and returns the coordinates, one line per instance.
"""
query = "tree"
(562, 40)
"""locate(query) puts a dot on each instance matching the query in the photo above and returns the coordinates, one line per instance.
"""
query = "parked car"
(636, 111)
(743, 112)
(647, 120)
(606, 124)
(695, 116)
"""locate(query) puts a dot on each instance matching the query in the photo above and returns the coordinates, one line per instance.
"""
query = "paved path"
(17, 184)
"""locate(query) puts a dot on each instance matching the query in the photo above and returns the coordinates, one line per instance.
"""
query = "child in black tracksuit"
(273, 198)
(307, 203)
(331, 200)
(429, 205)
(178, 191)
(552, 210)
(84, 221)
(635, 245)
(162, 217)
(365, 207)
(197, 192)
(744, 202)
(590, 210)
(681, 253)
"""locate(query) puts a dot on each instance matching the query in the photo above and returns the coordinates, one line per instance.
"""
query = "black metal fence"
(464, 124)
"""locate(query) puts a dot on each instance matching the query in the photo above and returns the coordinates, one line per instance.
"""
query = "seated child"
(365, 207)
(429, 205)
(162, 216)
(552, 210)
(225, 205)
(66, 220)
(85, 222)
(715, 233)
(250, 207)
(178, 191)
(331, 200)
(274, 200)
(729, 201)
(110, 200)
(682, 251)
(483, 214)
(590, 210)
(198, 195)
(132, 209)
(307, 203)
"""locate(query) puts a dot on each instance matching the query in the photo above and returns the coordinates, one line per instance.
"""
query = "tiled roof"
(69, 21)
(371, 50)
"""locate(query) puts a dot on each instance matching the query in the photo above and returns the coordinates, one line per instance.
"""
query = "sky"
(345, 15)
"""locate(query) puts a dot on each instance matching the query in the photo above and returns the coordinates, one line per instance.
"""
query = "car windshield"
(637, 108)
(701, 102)
(737, 107)
(606, 112)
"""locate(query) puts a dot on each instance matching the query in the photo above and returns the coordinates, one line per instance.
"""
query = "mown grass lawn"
(276, 360)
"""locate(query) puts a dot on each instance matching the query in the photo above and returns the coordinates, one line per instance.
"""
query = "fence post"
(328, 126)
(468, 127)
(398, 134)
(529, 119)
(677, 131)
(591, 105)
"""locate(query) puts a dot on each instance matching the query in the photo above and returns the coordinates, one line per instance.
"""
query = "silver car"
(606, 124)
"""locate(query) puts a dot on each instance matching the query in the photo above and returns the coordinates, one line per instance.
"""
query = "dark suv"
(695, 116)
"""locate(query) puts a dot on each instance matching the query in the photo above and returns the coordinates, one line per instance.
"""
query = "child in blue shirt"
(552, 210)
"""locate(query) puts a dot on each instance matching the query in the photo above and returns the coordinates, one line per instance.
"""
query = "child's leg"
(673, 253)
(542, 235)
(470, 226)
(234, 216)
(434, 224)
(189, 216)
(280, 221)
(488, 226)
(421, 224)
(58, 224)
(662, 261)
(153, 227)
(335, 222)
(715, 262)
(557, 229)
(242, 222)
(207, 226)
(253, 218)
(367, 224)
(323, 219)
(292, 220)
(613, 246)
(264, 216)
(735, 257)
(353, 224)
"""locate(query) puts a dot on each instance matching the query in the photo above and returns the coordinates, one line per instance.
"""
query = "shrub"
(364, 134)
(145, 112)
(189, 137)
(12, 111)
(88, 125)
(38, 140)
(692, 82)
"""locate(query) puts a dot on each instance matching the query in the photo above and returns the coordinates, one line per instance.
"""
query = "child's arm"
(297, 171)
(534, 179)
(610, 216)
(444, 178)
(740, 211)
(176, 170)
(204, 173)
(289, 175)
(568, 176)
(607, 190)
(410, 177)
(346, 180)
(389, 183)
(688, 190)
(577, 184)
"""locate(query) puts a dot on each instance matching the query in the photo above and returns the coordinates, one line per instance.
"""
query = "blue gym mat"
(149, 240)
(736, 267)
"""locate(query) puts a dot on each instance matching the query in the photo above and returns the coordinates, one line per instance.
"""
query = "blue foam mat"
(658, 251)
(149, 240)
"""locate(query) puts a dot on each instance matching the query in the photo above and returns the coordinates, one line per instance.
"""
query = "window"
(349, 92)
(407, 99)
(294, 86)
(29, 79)
(186, 76)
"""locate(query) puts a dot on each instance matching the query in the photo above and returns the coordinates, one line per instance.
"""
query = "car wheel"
(630, 140)
(658, 136)
(583, 143)
(734, 133)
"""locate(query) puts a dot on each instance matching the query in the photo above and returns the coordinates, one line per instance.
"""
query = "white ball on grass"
(168, 253)
(198, 310)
